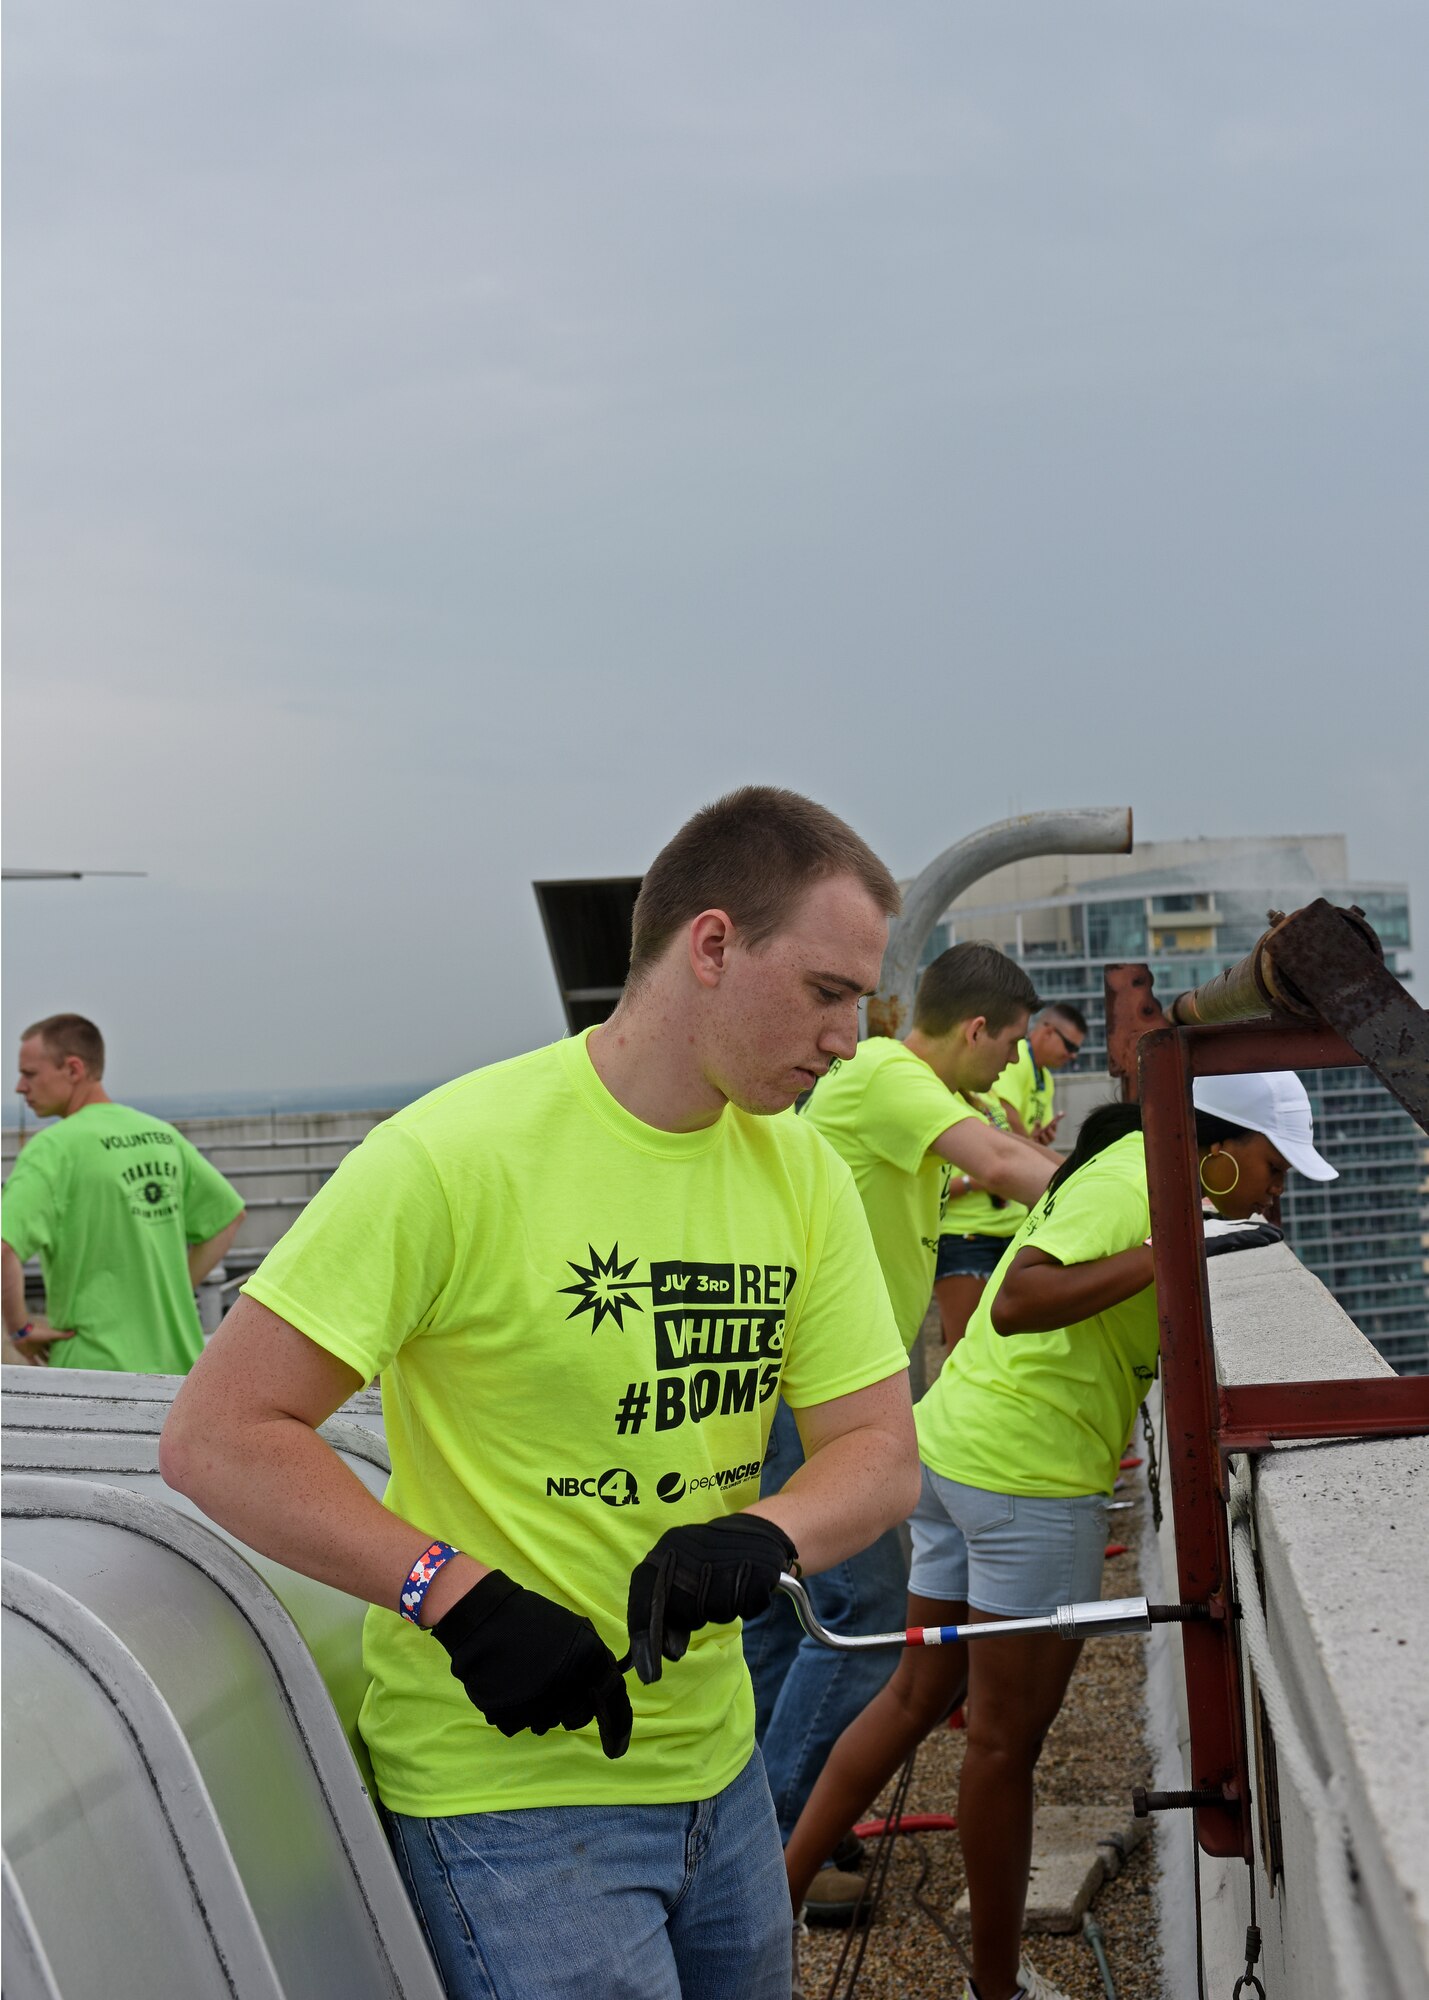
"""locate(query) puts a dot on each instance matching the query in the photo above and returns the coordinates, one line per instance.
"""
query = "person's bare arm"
(860, 1474)
(12, 1288)
(1014, 1119)
(34, 1349)
(241, 1441)
(1038, 1294)
(204, 1256)
(1015, 1168)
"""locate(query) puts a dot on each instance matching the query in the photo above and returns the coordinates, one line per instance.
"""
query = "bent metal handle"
(1068, 1621)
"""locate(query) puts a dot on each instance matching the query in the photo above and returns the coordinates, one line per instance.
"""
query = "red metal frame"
(1205, 1421)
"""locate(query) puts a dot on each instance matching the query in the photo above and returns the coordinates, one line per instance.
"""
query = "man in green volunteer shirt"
(896, 1114)
(125, 1216)
(585, 1276)
(979, 1223)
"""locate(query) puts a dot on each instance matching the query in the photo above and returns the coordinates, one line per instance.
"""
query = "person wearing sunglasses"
(978, 1224)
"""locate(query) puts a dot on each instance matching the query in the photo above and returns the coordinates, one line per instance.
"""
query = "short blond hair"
(70, 1035)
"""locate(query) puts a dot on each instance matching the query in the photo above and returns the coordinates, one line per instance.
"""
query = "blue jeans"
(804, 1695)
(685, 1902)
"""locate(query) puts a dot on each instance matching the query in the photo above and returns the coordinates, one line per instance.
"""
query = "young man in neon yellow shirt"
(585, 1276)
(125, 1216)
(896, 1115)
(978, 1223)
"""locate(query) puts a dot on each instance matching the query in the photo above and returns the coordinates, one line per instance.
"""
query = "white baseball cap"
(1272, 1101)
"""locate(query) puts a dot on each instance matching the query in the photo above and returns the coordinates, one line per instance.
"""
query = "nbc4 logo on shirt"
(617, 1488)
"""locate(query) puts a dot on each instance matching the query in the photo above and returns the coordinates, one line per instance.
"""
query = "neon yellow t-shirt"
(980, 1213)
(581, 1325)
(1027, 1087)
(110, 1200)
(1049, 1413)
(1029, 1090)
(881, 1111)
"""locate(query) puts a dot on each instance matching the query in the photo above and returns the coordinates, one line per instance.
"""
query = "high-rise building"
(1189, 908)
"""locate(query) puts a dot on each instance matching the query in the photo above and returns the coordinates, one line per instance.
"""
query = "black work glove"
(527, 1663)
(704, 1574)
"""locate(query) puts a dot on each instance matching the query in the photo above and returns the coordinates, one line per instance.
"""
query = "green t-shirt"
(581, 1325)
(109, 1200)
(881, 1111)
(1049, 1413)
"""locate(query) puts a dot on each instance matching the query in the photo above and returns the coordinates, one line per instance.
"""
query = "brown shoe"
(834, 1895)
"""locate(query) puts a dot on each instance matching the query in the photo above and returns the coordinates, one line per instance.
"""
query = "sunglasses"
(1072, 1048)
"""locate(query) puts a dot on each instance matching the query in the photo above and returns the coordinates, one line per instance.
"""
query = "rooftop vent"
(588, 930)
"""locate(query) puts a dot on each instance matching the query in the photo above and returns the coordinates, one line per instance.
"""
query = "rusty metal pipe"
(1080, 830)
(1256, 986)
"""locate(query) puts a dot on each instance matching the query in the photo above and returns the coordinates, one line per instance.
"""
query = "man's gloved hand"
(705, 1574)
(527, 1663)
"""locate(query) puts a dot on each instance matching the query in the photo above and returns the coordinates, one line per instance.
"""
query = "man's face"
(46, 1083)
(785, 1009)
(1054, 1042)
(985, 1055)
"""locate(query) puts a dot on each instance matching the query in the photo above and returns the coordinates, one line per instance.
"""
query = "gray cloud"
(445, 445)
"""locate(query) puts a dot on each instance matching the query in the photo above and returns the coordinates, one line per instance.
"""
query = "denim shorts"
(970, 1256)
(1007, 1553)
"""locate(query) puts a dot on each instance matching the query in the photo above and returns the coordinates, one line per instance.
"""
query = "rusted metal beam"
(1275, 1044)
(1259, 983)
(1219, 1765)
(1254, 1415)
(1132, 1011)
(1338, 970)
(1206, 1421)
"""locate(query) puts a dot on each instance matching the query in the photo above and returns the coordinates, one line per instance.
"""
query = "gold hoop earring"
(1220, 1193)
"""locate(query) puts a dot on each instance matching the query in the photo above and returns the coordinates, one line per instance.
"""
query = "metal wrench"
(1069, 1621)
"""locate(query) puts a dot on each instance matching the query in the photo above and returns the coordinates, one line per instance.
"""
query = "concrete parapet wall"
(1340, 1534)
(276, 1175)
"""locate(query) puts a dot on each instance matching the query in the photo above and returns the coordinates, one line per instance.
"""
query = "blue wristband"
(23, 1332)
(420, 1577)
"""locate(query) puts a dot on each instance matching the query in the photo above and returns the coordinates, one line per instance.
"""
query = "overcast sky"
(445, 444)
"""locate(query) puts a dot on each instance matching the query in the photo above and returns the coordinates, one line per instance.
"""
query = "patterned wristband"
(23, 1332)
(419, 1581)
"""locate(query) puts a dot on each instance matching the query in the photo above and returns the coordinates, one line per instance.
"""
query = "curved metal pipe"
(1080, 830)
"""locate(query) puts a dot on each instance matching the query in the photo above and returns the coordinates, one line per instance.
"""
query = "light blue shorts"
(1005, 1552)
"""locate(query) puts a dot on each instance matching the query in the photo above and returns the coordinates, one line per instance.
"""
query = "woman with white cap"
(1021, 1437)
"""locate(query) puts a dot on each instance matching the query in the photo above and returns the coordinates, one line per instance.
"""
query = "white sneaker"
(801, 1931)
(1031, 1986)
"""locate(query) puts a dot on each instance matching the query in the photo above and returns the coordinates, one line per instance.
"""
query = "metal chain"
(1153, 1462)
(1248, 1983)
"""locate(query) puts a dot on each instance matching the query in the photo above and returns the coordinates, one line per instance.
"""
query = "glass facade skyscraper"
(1189, 909)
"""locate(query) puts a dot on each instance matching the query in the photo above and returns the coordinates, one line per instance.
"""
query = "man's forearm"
(204, 1256)
(284, 1491)
(12, 1289)
(845, 1495)
(1021, 1170)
